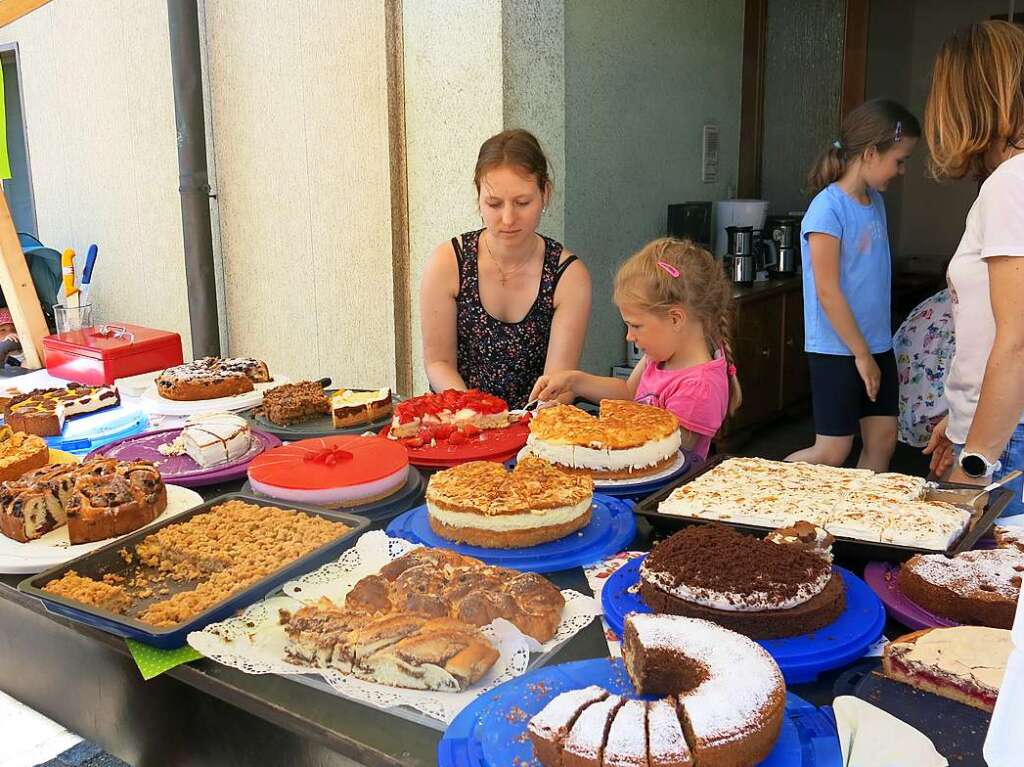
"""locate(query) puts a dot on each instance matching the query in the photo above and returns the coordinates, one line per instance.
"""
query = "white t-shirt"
(995, 227)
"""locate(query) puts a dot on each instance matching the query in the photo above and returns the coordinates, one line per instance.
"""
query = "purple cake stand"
(881, 577)
(181, 469)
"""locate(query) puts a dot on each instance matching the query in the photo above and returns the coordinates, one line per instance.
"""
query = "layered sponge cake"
(721, 701)
(627, 439)
(483, 504)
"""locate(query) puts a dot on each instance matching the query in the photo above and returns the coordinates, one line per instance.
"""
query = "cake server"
(989, 488)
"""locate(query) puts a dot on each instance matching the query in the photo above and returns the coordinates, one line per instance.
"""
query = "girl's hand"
(940, 448)
(869, 374)
(550, 387)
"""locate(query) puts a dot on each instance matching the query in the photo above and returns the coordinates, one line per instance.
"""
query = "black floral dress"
(503, 358)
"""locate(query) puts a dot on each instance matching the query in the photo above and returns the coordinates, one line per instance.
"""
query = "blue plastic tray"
(490, 732)
(801, 658)
(83, 434)
(612, 526)
(108, 560)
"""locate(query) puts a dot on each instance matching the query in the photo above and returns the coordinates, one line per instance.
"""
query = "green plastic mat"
(152, 661)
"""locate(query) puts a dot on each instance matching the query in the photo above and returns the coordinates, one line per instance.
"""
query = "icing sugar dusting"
(742, 676)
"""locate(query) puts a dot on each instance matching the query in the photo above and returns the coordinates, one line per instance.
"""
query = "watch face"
(973, 465)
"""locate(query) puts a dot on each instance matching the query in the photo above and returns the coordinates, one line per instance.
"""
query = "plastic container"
(101, 354)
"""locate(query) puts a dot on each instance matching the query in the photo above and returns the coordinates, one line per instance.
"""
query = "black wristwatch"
(977, 466)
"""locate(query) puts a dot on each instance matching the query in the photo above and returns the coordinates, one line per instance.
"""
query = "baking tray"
(849, 548)
(108, 560)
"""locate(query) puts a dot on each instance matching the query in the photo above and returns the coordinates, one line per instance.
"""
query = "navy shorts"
(839, 397)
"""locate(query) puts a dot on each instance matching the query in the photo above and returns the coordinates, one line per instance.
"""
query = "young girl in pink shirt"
(677, 305)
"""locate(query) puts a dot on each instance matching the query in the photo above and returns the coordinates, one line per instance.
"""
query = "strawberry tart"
(449, 416)
(334, 472)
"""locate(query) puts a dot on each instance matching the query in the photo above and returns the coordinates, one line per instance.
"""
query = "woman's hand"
(869, 374)
(940, 448)
(552, 386)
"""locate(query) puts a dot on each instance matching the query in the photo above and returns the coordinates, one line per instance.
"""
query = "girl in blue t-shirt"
(847, 287)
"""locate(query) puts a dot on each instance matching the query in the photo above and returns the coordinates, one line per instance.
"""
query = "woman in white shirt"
(974, 124)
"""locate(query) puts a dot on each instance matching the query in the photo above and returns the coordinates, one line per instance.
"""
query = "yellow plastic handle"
(67, 266)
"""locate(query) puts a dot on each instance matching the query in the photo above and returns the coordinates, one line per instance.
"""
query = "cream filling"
(650, 453)
(755, 601)
(969, 652)
(559, 515)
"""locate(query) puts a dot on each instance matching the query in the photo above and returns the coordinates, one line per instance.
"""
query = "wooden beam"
(12, 10)
(20, 292)
(855, 56)
(400, 246)
(755, 17)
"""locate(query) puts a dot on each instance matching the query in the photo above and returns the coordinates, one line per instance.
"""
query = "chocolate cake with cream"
(757, 587)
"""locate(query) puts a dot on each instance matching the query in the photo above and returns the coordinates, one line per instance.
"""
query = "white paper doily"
(255, 641)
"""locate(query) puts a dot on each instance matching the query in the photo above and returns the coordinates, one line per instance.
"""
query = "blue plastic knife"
(90, 262)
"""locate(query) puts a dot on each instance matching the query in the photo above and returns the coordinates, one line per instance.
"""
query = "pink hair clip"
(670, 270)
(731, 370)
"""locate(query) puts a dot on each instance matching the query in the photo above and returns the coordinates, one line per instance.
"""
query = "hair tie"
(731, 371)
(670, 270)
(899, 131)
(837, 144)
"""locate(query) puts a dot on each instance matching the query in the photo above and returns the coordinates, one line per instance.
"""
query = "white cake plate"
(154, 403)
(54, 548)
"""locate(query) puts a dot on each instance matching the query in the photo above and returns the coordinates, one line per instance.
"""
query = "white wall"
(641, 78)
(453, 91)
(299, 121)
(99, 115)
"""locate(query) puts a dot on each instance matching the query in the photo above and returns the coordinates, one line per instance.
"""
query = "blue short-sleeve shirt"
(865, 269)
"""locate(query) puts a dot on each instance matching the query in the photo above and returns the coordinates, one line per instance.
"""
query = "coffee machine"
(784, 232)
(749, 254)
(739, 253)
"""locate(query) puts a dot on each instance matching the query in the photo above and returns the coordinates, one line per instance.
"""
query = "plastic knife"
(90, 262)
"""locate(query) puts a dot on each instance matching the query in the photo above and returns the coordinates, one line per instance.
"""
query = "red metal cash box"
(99, 354)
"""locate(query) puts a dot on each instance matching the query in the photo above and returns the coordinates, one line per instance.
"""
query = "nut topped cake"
(483, 504)
(756, 587)
(849, 503)
(20, 453)
(211, 378)
(627, 439)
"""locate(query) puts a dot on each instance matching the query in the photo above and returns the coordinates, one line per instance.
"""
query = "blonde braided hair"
(701, 288)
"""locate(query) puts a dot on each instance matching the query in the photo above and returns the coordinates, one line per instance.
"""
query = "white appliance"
(737, 213)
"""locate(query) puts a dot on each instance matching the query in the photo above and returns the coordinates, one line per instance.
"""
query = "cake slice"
(962, 663)
(549, 728)
(584, 745)
(666, 746)
(20, 453)
(350, 407)
(28, 512)
(215, 438)
(1009, 537)
(626, 745)
(295, 403)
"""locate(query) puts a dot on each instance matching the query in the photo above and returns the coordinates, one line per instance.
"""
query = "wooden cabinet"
(796, 377)
(768, 346)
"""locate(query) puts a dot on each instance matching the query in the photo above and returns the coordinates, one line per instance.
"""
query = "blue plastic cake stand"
(612, 527)
(491, 731)
(801, 658)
